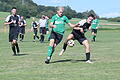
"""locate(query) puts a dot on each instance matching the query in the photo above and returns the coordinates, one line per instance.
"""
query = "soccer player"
(58, 28)
(35, 29)
(94, 28)
(78, 33)
(47, 21)
(42, 24)
(22, 28)
(13, 21)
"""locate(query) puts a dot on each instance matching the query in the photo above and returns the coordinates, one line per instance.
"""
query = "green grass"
(31, 66)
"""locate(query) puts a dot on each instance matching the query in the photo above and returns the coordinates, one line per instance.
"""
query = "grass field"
(29, 65)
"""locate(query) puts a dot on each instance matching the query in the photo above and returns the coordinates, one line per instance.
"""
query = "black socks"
(88, 56)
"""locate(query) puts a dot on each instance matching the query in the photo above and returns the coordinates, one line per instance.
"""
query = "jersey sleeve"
(7, 19)
(67, 20)
(53, 19)
(81, 23)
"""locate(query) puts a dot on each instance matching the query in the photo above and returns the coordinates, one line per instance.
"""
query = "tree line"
(30, 9)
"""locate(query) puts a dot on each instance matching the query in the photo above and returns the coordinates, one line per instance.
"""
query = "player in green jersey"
(58, 28)
(94, 28)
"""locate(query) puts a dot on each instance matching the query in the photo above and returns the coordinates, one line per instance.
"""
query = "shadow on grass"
(68, 60)
(22, 54)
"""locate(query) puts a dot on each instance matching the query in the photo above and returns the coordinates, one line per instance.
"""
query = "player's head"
(13, 10)
(60, 11)
(33, 19)
(90, 18)
(22, 17)
(43, 16)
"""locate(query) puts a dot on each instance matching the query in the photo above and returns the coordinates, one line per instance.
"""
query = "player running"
(13, 21)
(22, 28)
(42, 24)
(58, 28)
(35, 29)
(94, 28)
(78, 33)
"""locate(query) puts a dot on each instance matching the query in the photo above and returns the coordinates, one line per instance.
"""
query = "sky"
(103, 8)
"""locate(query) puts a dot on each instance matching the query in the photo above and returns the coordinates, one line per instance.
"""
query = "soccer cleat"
(88, 61)
(61, 53)
(33, 40)
(47, 61)
(14, 54)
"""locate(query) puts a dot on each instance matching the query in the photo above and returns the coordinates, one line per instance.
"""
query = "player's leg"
(94, 32)
(13, 48)
(36, 34)
(50, 51)
(70, 36)
(87, 50)
(23, 32)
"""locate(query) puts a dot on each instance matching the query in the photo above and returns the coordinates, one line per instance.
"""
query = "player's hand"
(81, 30)
(54, 26)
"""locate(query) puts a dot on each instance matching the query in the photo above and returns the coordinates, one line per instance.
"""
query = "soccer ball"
(71, 43)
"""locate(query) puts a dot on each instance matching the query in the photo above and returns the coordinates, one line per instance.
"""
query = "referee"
(13, 21)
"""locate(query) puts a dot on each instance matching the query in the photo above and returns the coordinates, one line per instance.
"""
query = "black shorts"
(35, 31)
(13, 34)
(78, 36)
(43, 30)
(94, 30)
(56, 36)
(22, 30)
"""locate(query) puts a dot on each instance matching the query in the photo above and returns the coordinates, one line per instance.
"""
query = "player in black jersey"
(78, 33)
(13, 21)
(35, 29)
(22, 28)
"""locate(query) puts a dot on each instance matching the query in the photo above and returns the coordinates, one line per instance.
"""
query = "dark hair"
(91, 15)
(14, 8)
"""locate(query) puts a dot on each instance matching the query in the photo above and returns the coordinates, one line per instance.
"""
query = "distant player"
(58, 28)
(47, 22)
(22, 28)
(94, 28)
(78, 33)
(42, 24)
(13, 21)
(35, 29)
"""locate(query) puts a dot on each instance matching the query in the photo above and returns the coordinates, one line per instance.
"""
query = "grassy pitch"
(29, 65)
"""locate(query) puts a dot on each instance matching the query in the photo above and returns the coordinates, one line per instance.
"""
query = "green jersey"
(60, 23)
(94, 23)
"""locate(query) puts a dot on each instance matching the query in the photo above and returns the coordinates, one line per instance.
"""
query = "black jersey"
(15, 25)
(22, 23)
(82, 24)
(34, 24)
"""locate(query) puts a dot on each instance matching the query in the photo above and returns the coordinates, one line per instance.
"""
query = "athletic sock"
(88, 56)
(17, 47)
(43, 38)
(22, 36)
(65, 46)
(50, 50)
(34, 37)
(13, 49)
(94, 38)
(37, 37)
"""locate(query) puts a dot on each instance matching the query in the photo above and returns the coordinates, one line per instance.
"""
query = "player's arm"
(25, 23)
(7, 21)
(52, 23)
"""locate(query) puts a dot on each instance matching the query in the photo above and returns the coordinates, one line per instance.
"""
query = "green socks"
(50, 51)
